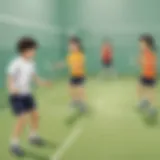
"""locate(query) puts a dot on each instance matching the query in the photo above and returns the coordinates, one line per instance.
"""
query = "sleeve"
(12, 68)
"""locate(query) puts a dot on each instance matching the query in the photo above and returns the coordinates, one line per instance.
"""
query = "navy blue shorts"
(150, 82)
(22, 103)
(77, 80)
(107, 63)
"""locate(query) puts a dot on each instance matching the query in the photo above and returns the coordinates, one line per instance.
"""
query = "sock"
(75, 103)
(33, 134)
(15, 141)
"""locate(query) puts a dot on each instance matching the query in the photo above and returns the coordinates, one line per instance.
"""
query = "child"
(76, 64)
(107, 59)
(149, 72)
(106, 55)
(21, 71)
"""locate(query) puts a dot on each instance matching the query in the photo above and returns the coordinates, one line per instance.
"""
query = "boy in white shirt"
(21, 72)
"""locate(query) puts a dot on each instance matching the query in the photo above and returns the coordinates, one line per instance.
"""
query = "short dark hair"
(149, 40)
(77, 41)
(26, 43)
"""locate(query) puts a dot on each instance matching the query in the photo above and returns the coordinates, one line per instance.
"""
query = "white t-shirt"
(22, 72)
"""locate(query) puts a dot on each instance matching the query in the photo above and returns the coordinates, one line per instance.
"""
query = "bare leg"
(34, 122)
(73, 93)
(142, 96)
(151, 98)
(34, 137)
(81, 93)
(151, 95)
(18, 128)
(112, 72)
(82, 98)
(74, 96)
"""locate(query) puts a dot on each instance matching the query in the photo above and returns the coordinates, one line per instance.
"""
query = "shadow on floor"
(151, 121)
(36, 156)
(73, 118)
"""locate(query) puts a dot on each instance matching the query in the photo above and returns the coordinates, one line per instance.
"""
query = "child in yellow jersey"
(76, 65)
(148, 75)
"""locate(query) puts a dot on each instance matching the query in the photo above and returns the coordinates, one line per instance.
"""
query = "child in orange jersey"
(76, 65)
(146, 88)
(107, 60)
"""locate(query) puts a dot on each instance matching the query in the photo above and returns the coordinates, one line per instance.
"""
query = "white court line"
(67, 144)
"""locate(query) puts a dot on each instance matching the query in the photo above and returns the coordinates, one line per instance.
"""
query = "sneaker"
(16, 150)
(143, 105)
(36, 141)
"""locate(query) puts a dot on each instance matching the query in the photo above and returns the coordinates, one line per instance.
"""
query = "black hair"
(149, 40)
(77, 41)
(26, 43)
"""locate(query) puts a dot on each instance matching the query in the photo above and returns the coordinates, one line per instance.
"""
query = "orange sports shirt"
(148, 64)
(76, 64)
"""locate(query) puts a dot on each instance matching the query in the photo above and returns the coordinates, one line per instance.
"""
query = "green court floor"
(113, 130)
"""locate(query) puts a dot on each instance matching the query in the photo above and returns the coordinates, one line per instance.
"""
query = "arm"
(11, 71)
(41, 82)
(60, 65)
(10, 85)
